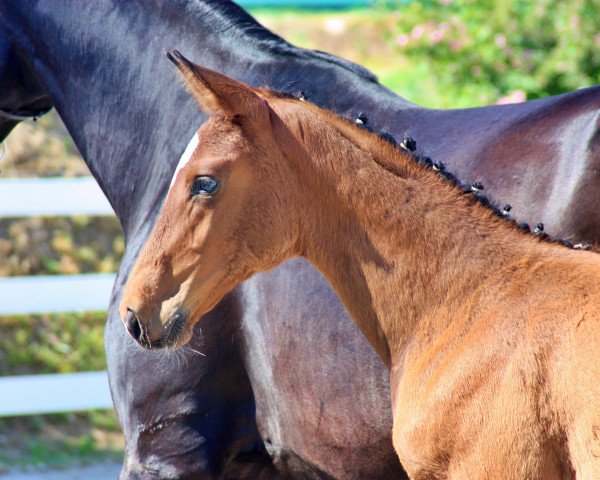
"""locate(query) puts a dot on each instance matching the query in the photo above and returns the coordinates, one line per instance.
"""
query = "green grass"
(58, 441)
(420, 87)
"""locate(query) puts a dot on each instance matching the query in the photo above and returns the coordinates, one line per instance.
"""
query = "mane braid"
(390, 146)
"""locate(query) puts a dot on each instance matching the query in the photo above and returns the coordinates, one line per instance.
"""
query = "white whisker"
(196, 352)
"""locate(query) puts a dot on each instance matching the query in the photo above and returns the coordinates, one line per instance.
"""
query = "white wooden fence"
(35, 394)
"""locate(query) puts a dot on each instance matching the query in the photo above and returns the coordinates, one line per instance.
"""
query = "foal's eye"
(205, 185)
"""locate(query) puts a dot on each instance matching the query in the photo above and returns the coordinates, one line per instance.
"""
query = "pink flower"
(516, 96)
(456, 46)
(575, 21)
(417, 32)
(402, 40)
(446, 2)
(436, 36)
(597, 39)
(500, 40)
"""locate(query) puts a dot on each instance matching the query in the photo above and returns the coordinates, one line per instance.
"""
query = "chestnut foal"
(491, 335)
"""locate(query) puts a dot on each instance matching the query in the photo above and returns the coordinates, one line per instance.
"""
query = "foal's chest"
(467, 412)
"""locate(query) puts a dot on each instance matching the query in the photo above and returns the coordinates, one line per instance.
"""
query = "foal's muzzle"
(136, 329)
(139, 331)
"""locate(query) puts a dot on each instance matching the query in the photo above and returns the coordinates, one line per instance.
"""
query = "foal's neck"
(394, 239)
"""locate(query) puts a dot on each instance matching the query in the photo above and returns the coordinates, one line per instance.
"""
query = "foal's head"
(225, 217)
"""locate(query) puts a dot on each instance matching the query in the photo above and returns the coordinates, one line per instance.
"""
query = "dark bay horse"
(491, 334)
(255, 399)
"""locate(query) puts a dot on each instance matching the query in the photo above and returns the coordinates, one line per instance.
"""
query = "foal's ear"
(214, 91)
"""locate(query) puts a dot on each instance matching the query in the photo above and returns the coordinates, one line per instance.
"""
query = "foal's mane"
(385, 152)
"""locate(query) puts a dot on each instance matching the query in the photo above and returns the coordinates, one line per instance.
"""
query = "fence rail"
(24, 197)
(54, 393)
(40, 394)
(55, 293)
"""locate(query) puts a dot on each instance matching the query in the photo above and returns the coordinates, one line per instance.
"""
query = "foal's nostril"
(133, 325)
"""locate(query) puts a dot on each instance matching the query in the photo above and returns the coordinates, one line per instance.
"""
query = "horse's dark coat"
(279, 350)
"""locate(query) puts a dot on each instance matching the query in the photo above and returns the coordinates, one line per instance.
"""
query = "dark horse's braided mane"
(234, 21)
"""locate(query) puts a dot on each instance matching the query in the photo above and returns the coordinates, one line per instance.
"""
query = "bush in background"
(480, 51)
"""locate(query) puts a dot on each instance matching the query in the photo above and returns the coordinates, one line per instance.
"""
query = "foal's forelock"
(186, 157)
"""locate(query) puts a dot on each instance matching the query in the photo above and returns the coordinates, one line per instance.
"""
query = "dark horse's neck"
(127, 139)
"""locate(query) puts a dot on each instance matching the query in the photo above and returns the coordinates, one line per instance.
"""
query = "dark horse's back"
(546, 162)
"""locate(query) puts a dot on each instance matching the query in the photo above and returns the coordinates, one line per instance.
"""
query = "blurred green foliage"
(479, 51)
(57, 343)
(60, 245)
(39, 453)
